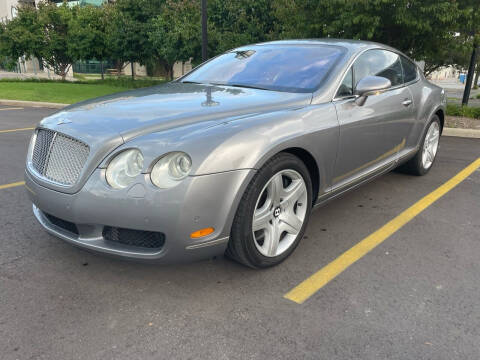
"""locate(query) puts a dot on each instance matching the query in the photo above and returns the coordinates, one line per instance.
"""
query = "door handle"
(406, 102)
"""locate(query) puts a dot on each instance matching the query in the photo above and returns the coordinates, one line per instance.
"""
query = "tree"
(21, 36)
(424, 30)
(241, 22)
(88, 38)
(470, 28)
(56, 33)
(441, 32)
(113, 23)
(175, 34)
(128, 27)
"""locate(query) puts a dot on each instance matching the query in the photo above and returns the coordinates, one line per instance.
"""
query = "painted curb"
(32, 104)
(466, 133)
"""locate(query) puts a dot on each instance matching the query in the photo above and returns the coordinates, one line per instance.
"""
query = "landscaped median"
(67, 92)
(471, 112)
(462, 121)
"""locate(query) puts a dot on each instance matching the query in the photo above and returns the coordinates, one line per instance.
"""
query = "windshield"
(279, 67)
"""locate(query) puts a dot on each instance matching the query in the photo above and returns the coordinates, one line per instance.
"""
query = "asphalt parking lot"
(414, 296)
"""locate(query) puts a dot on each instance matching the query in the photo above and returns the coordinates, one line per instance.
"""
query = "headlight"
(124, 167)
(170, 169)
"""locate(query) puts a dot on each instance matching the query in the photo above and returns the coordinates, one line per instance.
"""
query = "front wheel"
(273, 213)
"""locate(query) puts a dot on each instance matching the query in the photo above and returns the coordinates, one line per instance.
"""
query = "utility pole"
(471, 70)
(204, 31)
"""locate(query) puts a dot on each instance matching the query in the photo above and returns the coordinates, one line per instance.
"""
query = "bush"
(478, 96)
(127, 82)
(464, 111)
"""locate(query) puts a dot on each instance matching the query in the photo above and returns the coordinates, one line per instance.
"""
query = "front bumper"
(196, 203)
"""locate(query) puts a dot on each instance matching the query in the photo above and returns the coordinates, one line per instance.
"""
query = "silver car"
(232, 157)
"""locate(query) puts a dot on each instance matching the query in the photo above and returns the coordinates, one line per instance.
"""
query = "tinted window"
(346, 87)
(379, 63)
(409, 70)
(276, 67)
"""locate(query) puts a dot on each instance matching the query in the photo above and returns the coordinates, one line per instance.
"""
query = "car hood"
(138, 112)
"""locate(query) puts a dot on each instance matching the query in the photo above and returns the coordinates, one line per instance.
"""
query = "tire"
(417, 165)
(280, 198)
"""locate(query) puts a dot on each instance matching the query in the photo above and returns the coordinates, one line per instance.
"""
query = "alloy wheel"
(430, 145)
(280, 212)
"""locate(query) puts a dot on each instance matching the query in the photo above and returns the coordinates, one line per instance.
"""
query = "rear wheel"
(273, 213)
(422, 162)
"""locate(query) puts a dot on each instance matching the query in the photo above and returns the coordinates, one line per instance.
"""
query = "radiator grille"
(58, 157)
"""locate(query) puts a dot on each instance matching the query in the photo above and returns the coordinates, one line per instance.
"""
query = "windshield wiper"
(226, 84)
(243, 86)
(190, 82)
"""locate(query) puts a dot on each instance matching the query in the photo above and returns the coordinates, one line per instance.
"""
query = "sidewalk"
(40, 75)
(41, 104)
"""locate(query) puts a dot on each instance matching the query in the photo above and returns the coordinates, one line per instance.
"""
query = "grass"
(464, 111)
(67, 92)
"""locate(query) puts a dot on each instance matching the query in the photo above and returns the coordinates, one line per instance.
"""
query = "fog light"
(202, 232)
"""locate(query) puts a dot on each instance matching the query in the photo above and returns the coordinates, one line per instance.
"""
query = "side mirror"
(370, 85)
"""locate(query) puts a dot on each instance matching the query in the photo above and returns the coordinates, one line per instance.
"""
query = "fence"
(91, 66)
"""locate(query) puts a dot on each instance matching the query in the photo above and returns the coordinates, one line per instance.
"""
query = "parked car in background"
(233, 156)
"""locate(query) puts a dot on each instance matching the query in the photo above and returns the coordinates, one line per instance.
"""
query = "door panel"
(412, 135)
(372, 135)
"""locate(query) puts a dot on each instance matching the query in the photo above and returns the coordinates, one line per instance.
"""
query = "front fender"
(251, 142)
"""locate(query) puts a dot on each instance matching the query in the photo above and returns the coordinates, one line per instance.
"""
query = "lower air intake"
(65, 225)
(137, 238)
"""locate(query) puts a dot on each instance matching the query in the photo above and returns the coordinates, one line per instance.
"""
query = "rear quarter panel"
(428, 99)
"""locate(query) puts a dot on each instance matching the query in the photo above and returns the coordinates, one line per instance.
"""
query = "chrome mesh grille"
(41, 148)
(59, 157)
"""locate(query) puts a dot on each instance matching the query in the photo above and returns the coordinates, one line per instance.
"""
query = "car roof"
(352, 46)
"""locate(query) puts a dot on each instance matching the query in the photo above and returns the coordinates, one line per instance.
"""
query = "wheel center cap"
(276, 212)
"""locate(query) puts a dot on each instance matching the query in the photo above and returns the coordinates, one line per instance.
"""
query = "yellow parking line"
(13, 130)
(7, 186)
(14, 108)
(310, 286)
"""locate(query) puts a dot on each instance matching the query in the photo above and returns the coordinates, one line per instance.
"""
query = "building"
(82, 2)
(446, 73)
(8, 8)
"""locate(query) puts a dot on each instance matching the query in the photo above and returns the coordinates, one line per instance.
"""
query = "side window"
(379, 63)
(409, 70)
(346, 87)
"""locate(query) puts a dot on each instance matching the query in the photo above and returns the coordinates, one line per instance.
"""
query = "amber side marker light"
(202, 232)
